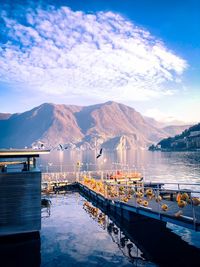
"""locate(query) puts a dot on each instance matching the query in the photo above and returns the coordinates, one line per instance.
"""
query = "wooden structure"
(189, 219)
(20, 191)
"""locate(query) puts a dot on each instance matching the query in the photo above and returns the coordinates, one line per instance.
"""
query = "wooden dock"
(189, 219)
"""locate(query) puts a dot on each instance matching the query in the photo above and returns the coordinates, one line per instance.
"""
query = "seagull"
(61, 147)
(100, 153)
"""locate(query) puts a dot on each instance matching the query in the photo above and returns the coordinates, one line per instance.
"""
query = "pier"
(163, 207)
(189, 216)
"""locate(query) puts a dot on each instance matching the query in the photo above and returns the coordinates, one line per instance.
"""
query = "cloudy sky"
(142, 53)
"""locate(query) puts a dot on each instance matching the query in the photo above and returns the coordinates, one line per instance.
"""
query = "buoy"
(158, 198)
(145, 203)
(125, 199)
(139, 194)
(139, 201)
(164, 207)
(178, 197)
(185, 197)
(149, 192)
(182, 203)
(195, 201)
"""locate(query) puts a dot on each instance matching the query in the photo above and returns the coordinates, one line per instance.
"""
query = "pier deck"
(189, 219)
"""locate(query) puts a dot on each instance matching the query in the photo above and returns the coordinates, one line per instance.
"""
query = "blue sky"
(142, 53)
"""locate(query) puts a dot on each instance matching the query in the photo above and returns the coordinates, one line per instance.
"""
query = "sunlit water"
(155, 166)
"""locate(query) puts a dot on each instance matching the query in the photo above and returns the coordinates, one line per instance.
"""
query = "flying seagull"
(100, 153)
(61, 147)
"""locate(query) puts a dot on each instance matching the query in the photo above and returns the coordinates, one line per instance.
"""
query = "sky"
(142, 53)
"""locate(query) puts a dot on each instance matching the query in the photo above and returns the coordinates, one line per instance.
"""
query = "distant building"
(194, 133)
(193, 141)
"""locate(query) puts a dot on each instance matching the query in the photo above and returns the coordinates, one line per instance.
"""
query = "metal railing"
(177, 200)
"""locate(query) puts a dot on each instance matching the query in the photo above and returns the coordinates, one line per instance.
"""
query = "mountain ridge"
(79, 126)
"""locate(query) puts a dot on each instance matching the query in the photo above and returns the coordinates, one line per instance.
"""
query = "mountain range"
(110, 125)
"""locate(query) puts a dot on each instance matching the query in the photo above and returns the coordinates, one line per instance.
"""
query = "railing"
(178, 200)
(77, 175)
(172, 202)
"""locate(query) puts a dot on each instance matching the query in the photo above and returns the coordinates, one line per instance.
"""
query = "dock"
(188, 217)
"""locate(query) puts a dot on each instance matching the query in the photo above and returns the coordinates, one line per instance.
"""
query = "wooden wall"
(20, 202)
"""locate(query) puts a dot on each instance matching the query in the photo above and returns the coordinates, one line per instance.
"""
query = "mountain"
(189, 139)
(154, 122)
(175, 129)
(78, 126)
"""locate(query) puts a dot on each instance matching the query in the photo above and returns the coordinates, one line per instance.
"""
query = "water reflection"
(155, 166)
(20, 251)
(126, 246)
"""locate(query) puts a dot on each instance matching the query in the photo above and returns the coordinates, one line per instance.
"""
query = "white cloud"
(101, 55)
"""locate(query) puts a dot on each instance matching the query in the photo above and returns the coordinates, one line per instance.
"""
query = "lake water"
(155, 166)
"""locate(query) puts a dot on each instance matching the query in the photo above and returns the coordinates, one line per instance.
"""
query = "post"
(28, 159)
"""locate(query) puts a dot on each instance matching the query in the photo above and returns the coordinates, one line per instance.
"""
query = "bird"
(61, 147)
(100, 153)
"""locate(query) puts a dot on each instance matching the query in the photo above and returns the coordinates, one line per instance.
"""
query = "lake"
(155, 166)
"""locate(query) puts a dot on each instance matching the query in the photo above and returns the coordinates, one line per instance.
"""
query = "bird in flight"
(62, 147)
(100, 153)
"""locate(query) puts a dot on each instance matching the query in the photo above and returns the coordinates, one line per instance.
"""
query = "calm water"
(155, 166)
(73, 236)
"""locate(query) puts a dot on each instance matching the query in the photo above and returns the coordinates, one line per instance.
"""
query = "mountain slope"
(175, 129)
(48, 122)
(5, 116)
(189, 139)
(78, 126)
